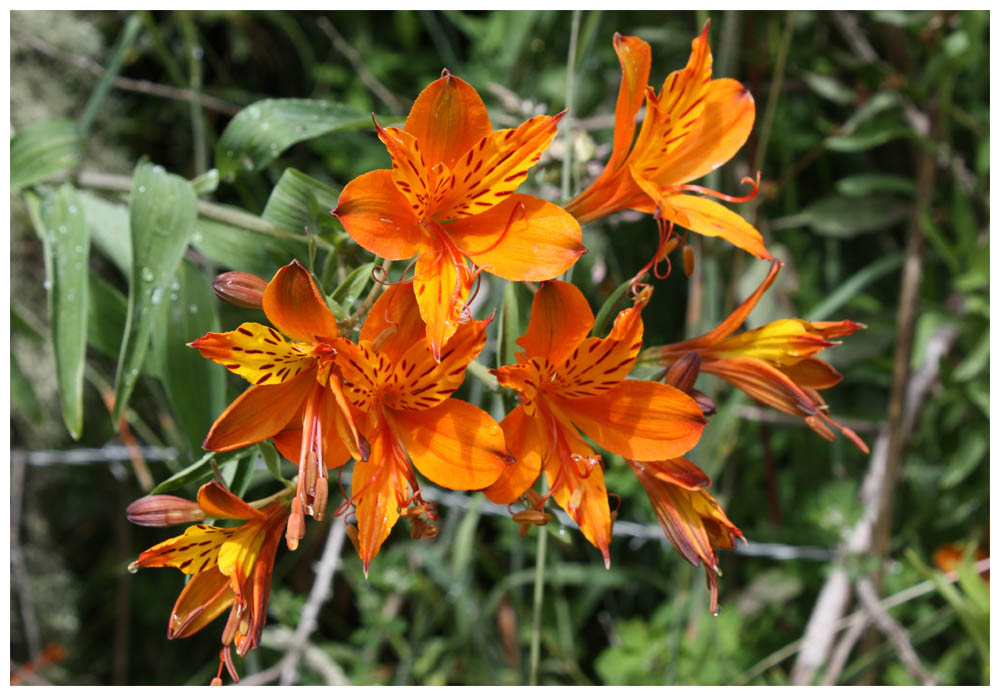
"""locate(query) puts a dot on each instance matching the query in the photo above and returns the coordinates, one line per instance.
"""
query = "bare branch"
(892, 630)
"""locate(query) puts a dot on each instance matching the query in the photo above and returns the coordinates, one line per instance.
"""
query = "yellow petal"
(255, 352)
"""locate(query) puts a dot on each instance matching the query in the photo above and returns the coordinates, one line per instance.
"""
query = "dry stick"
(125, 83)
(18, 573)
(352, 56)
(843, 651)
(860, 616)
(892, 630)
(831, 603)
(280, 637)
(321, 590)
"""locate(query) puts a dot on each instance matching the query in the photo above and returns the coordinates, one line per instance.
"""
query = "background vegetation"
(873, 137)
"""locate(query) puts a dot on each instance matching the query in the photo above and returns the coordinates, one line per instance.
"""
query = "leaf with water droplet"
(65, 241)
(162, 221)
(263, 130)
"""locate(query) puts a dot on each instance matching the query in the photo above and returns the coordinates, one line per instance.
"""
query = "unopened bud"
(704, 402)
(240, 288)
(683, 373)
(688, 260)
(163, 511)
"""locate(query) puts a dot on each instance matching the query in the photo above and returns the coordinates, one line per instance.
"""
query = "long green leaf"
(245, 250)
(125, 40)
(260, 132)
(299, 201)
(348, 292)
(107, 223)
(852, 286)
(508, 328)
(197, 473)
(162, 218)
(67, 248)
(607, 309)
(195, 387)
(106, 312)
(22, 393)
(42, 151)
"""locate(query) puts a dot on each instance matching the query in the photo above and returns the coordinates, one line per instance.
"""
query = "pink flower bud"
(163, 511)
(240, 288)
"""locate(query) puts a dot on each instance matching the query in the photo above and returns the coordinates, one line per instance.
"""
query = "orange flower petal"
(765, 383)
(731, 323)
(374, 487)
(455, 444)
(336, 436)
(722, 129)
(441, 288)
(419, 184)
(560, 320)
(522, 238)
(217, 501)
(447, 119)
(194, 551)
(205, 597)
(679, 472)
(708, 218)
(421, 382)
(493, 169)
(672, 116)
(812, 373)
(639, 420)
(255, 352)
(394, 322)
(598, 364)
(635, 58)
(582, 495)
(293, 303)
(780, 342)
(259, 413)
(378, 217)
(519, 432)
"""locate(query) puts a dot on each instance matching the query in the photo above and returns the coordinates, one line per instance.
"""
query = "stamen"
(722, 196)
(516, 215)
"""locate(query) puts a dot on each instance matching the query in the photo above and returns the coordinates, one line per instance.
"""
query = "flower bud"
(163, 511)
(683, 373)
(688, 260)
(240, 288)
(704, 402)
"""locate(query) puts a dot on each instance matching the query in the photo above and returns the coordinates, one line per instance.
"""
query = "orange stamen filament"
(694, 188)
(516, 215)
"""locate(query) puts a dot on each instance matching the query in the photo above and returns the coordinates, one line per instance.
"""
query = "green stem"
(772, 98)
(128, 36)
(194, 66)
(483, 374)
(567, 166)
(536, 621)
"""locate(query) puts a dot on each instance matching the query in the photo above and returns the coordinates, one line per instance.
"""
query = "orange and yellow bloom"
(296, 397)
(451, 196)
(401, 393)
(694, 125)
(775, 363)
(568, 383)
(230, 567)
(690, 516)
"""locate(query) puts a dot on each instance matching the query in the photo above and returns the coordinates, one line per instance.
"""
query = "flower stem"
(536, 621)
(567, 165)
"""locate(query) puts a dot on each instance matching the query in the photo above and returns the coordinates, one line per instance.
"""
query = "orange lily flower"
(394, 380)
(775, 363)
(450, 195)
(296, 389)
(230, 567)
(690, 516)
(568, 383)
(693, 126)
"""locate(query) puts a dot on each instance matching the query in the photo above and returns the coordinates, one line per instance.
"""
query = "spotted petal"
(560, 320)
(293, 303)
(205, 597)
(598, 364)
(255, 352)
(520, 434)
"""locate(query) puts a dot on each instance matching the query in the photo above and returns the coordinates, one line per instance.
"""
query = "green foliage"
(112, 301)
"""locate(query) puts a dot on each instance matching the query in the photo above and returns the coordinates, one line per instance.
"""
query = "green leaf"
(829, 88)
(971, 453)
(106, 312)
(976, 363)
(837, 216)
(260, 132)
(348, 292)
(508, 328)
(22, 393)
(67, 248)
(858, 185)
(859, 142)
(299, 201)
(108, 225)
(271, 460)
(852, 286)
(195, 387)
(238, 472)
(607, 309)
(206, 183)
(43, 151)
(245, 250)
(197, 473)
(162, 219)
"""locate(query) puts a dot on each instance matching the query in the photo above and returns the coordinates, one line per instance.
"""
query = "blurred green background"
(872, 134)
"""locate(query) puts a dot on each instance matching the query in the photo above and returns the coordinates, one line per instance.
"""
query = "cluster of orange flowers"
(450, 203)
